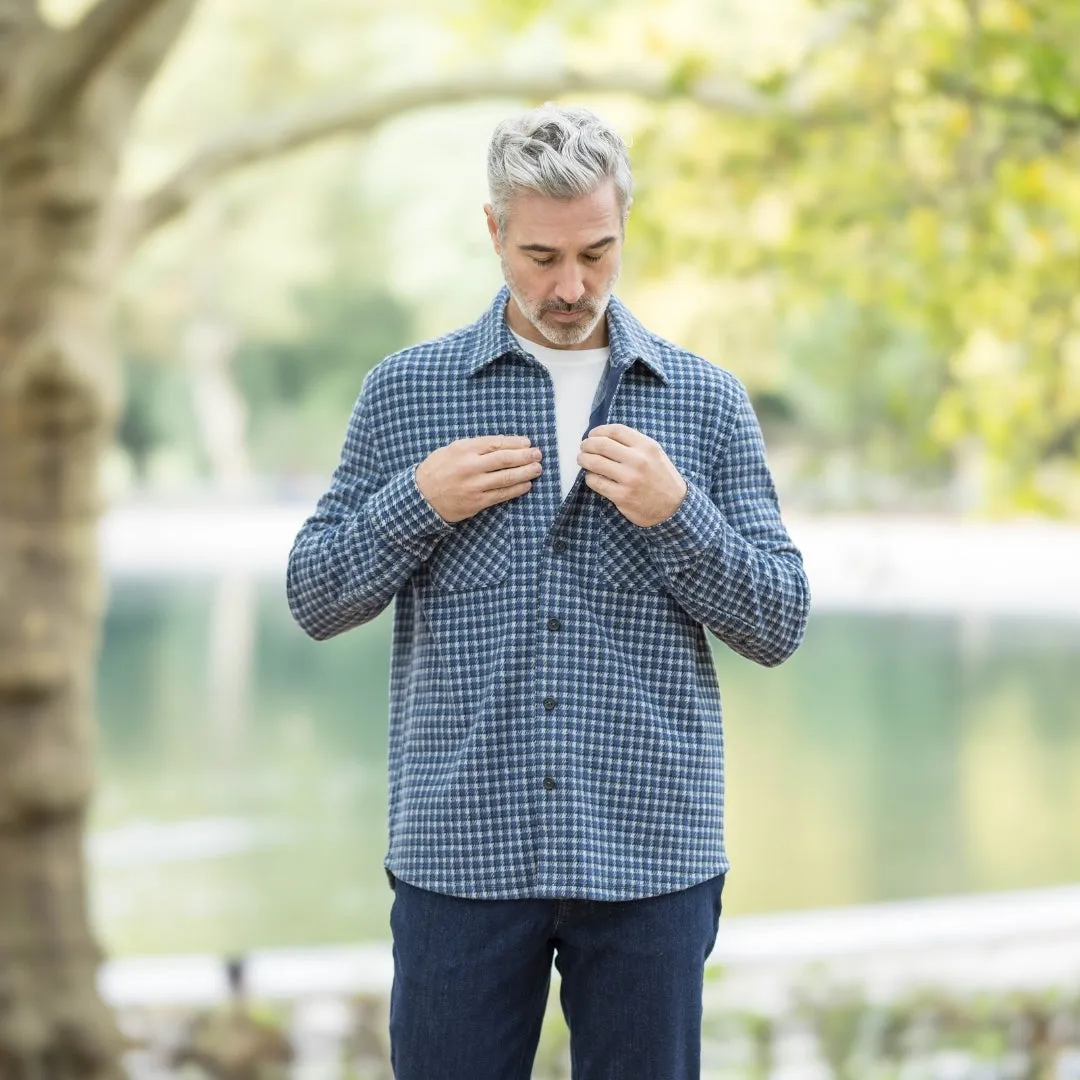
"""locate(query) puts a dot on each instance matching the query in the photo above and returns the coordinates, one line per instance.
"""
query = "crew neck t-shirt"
(575, 375)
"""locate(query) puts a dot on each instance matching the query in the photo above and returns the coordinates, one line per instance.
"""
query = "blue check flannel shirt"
(555, 719)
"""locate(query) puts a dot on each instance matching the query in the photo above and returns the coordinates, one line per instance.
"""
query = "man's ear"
(493, 228)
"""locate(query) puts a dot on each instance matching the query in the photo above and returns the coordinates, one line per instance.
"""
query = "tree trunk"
(58, 404)
(230, 659)
(209, 346)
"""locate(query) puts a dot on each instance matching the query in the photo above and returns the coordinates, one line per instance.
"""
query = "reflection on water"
(242, 768)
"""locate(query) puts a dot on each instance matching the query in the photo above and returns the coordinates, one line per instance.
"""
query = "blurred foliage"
(299, 370)
(157, 414)
(886, 250)
(301, 392)
(920, 225)
(235, 1039)
(836, 1015)
(830, 1031)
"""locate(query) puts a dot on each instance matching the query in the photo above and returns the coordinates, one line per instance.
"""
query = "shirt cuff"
(400, 514)
(683, 539)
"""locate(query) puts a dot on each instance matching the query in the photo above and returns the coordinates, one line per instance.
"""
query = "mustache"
(568, 309)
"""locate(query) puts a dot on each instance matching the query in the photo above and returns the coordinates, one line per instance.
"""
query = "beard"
(557, 333)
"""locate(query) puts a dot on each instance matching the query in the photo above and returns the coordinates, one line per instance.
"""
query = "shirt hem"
(418, 880)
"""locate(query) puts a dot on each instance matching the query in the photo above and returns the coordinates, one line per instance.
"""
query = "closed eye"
(548, 262)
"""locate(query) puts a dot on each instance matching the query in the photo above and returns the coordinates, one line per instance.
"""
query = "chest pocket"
(475, 555)
(623, 552)
(624, 556)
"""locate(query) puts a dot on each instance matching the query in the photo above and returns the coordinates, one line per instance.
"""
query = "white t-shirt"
(575, 373)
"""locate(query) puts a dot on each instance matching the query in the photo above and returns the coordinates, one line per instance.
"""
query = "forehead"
(533, 218)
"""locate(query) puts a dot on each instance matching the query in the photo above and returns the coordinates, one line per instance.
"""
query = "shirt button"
(549, 703)
(553, 624)
(549, 784)
(559, 547)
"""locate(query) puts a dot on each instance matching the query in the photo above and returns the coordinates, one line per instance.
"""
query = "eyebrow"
(543, 249)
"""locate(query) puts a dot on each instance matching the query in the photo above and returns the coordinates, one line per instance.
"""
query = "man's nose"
(570, 288)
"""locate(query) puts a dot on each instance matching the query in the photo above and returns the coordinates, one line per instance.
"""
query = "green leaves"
(945, 223)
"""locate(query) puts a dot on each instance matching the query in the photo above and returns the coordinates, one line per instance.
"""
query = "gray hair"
(556, 151)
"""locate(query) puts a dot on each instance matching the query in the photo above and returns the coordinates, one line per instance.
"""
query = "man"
(560, 503)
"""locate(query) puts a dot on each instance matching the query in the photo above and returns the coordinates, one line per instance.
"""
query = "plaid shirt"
(555, 720)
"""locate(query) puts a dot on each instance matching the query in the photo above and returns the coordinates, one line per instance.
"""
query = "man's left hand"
(632, 471)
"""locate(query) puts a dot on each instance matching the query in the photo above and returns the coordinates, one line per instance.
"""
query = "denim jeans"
(471, 980)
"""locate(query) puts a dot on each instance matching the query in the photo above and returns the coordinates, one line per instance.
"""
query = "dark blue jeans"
(471, 980)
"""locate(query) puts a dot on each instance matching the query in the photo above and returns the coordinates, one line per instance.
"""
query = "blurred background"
(870, 213)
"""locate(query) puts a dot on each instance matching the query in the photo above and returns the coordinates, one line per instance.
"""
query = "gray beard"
(559, 334)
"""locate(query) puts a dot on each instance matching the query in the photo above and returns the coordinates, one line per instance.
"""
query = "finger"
(602, 485)
(496, 481)
(508, 459)
(620, 433)
(489, 443)
(605, 447)
(602, 466)
(506, 494)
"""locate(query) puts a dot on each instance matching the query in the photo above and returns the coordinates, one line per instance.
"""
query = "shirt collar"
(628, 339)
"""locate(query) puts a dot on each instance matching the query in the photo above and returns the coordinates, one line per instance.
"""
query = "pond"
(241, 798)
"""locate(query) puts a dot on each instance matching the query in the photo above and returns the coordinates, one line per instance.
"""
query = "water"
(242, 768)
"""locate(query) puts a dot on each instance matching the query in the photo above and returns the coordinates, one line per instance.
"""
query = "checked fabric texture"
(555, 717)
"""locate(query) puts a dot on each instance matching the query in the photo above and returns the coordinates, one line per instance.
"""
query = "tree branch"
(17, 12)
(277, 134)
(20, 25)
(68, 59)
(149, 46)
(954, 87)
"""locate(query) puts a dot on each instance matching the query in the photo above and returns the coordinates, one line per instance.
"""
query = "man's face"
(560, 258)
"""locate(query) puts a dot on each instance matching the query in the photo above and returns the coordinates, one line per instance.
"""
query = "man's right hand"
(463, 478)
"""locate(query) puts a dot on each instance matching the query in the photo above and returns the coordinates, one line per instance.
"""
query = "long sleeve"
(366, 538)
(727, 557)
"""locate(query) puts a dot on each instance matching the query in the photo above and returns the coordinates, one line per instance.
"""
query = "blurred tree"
(288, 384)
(300, 392)
(66, 100)
(939, 221)
(68, 96)
(236, 1040)
(905, 183)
